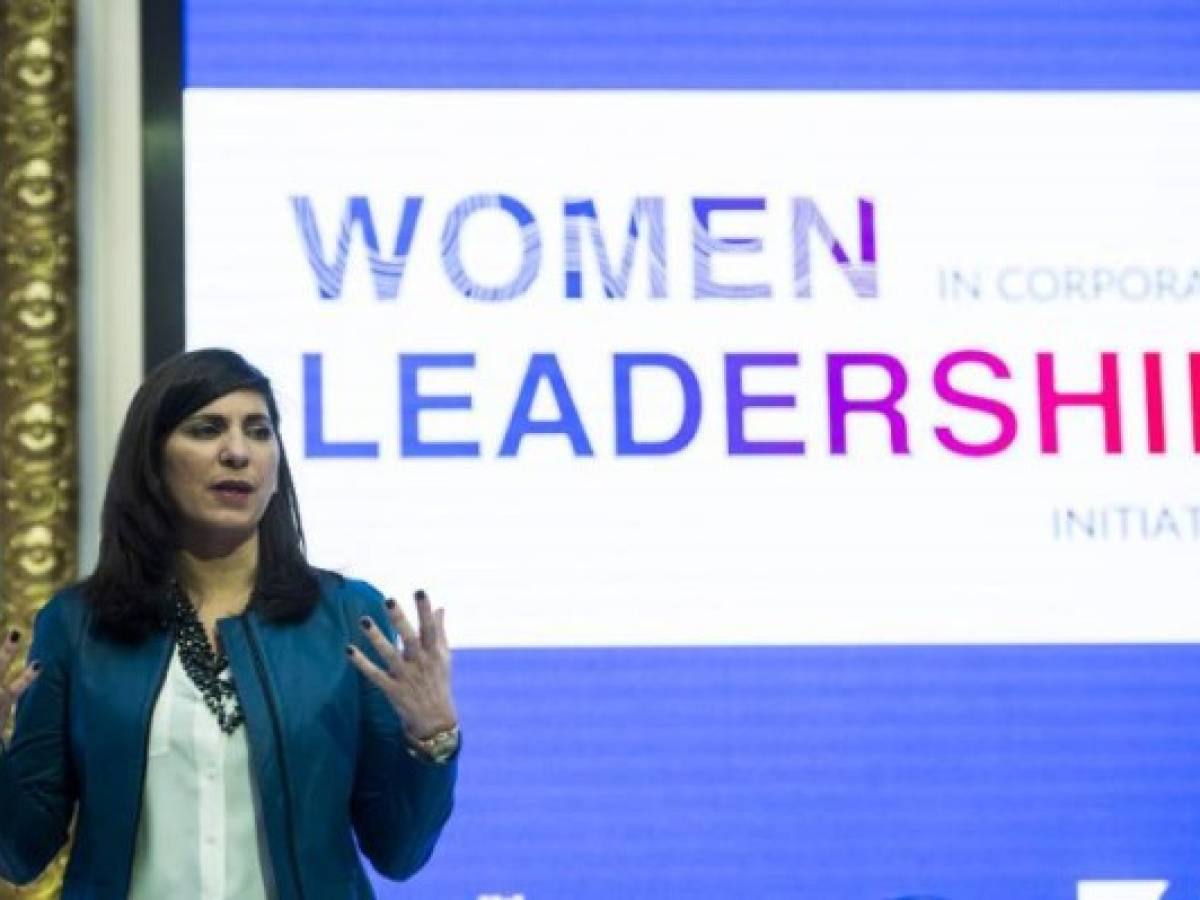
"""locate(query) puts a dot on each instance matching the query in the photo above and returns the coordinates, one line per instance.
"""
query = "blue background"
(767, 44)
(833, 773)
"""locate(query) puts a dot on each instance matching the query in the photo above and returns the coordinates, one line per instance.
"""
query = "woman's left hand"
(417, 675)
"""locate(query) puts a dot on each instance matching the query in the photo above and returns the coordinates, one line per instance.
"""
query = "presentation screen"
(795, 407)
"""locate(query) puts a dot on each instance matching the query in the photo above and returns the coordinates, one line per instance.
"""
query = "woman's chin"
(219, 534)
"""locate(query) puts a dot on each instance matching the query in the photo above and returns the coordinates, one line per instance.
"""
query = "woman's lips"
(233, 494)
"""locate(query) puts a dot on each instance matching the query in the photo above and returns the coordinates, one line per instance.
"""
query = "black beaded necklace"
(204, 666)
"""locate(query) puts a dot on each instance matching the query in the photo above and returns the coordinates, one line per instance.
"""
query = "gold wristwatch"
(437, 748)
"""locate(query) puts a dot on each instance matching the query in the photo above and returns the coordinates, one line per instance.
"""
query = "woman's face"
(221, 466)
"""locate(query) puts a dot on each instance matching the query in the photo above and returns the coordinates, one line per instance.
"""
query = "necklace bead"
(208, 669)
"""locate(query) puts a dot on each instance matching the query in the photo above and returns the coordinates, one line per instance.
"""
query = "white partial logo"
(1122, 890)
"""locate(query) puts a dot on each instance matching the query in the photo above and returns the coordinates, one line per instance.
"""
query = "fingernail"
(365, 622)
(390, 603)
(14, 636)
(36, 666)
(349, 649)
(420, 595)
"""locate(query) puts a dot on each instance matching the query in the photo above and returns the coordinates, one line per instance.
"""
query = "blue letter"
(315, 445)
(704, 245)
(544, 365)
(385, 273)
(647, 209)
(623, 365)
(412, 402)
(531, 247)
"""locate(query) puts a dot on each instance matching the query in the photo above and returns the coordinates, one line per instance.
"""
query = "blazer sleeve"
(399, 804)
(37, 784)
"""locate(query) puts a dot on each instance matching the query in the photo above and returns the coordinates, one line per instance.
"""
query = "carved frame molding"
(38, 322)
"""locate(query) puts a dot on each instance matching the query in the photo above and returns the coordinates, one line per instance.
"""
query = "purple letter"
(840, 407)
(736, 402)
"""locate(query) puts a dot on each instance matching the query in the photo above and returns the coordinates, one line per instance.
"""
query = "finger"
(408, 637)
(386, 649)
(441, 628)
(371, 671)
(425, 616)
(11, 693)
(24, 680)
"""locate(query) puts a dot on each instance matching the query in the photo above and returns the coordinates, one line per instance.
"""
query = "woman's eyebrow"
(253, 418)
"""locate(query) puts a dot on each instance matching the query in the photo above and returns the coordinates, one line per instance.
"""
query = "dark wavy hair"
(139, 533)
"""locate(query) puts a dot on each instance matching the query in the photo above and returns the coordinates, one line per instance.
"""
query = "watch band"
(437, 748)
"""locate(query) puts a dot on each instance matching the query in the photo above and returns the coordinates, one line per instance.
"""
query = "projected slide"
(805, 449)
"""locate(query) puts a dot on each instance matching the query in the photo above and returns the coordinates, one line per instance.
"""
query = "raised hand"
(11, 690)
(416, 677)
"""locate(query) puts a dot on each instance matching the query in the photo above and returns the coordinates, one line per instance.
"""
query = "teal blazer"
(329, 759)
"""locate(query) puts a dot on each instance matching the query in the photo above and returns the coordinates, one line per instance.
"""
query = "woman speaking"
(226, 719)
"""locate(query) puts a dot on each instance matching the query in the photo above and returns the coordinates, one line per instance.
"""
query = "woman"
(225, 716)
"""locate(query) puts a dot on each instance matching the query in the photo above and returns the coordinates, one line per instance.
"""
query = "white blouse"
(197, 836)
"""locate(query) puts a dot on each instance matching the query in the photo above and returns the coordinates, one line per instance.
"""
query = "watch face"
(445, 745)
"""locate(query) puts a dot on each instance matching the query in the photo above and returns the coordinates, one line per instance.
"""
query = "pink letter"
(1001, 411)
(1156, 429)
(1108, 398)
(1194, 365)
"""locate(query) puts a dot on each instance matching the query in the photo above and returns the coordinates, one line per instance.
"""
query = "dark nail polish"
(390, 603)
(420, 595)
(365, 622)
(36, 666)
(14, 636)
(349, 649)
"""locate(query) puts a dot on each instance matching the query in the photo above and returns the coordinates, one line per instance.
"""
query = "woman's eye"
(261, 432)
(203, 430)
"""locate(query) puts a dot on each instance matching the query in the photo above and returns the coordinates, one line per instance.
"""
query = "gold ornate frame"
(38, 346)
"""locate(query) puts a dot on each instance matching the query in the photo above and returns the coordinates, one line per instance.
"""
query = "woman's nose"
(234, 455)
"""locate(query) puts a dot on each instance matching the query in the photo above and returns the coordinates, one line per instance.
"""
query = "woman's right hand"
(10, 691)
